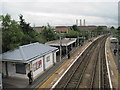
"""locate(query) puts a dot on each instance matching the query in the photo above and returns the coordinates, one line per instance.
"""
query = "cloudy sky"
(63, 12)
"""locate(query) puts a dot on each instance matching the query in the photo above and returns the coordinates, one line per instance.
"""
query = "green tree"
(112, 28)
(30, 35)
(99, 30)
(84, 33)
(71, 34)
(15, 34)
(75, 28)
(11, 33)
(118, 33)
(49, 34)
(118, 28)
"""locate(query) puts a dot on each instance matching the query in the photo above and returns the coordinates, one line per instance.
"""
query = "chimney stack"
(80, 22)
(77, 22)
(84, 22)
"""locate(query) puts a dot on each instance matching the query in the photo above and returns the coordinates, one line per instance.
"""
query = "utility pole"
(60, 48)
(1, 85)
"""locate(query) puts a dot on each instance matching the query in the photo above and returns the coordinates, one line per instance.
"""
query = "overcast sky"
(63, 12)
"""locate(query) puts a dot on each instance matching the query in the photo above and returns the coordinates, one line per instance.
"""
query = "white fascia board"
(71, 42)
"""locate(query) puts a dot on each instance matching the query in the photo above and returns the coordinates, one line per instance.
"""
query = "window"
(20, 68)
(48, 59)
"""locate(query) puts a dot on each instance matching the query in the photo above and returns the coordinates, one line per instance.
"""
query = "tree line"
(116, 32)
(76, 32)
(17, 33)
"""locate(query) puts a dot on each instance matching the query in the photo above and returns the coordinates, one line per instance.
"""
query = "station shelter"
(67, 44)
(36, 57)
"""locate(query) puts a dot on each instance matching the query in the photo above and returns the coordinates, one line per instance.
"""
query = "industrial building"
(82, 26)
(35, 57)
(63, 29)
(80, 23)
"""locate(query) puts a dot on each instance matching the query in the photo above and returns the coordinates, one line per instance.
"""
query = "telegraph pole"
(60, 48)
(1, 85)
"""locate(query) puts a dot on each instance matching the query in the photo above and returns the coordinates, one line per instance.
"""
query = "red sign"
(37, 65)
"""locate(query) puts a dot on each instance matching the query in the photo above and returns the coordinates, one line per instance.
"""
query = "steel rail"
(95, 65)
(79, 66)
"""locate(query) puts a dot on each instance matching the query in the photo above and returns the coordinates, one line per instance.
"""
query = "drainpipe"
(66, 51)
(6, 67)
(53, 58)
(44, 63)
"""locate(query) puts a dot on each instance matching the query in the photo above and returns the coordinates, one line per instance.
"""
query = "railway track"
(88, 75)
(86, 70)
(100, 70)
(77, 76)
(63, 81)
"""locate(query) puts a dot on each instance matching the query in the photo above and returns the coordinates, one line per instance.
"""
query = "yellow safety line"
(57, 71)
(53, 74)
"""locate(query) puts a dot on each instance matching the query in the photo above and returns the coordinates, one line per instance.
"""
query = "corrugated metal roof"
(28, 52)
(64, 42)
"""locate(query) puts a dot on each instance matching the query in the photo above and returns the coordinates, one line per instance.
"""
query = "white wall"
(55, 57)
(0, 66)
(12, 66)
(39, 67)
(50, 61)
(12, 70)
(3, 68)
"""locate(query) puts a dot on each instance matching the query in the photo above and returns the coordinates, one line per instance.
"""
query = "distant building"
(63, 29)
(90, 28)
(35, 57)
(38, 29)
(104, 27)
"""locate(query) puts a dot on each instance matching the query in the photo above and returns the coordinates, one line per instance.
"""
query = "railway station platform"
(114, 75)
(113, 64)
(56, 70)
(24, 83)
(51, 76)
(55, 77)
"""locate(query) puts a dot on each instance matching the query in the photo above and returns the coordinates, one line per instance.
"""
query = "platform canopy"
(113, 40)
(63, 42)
